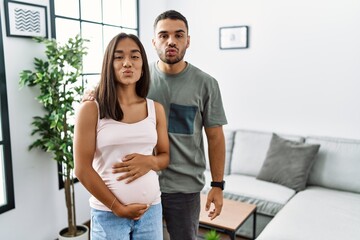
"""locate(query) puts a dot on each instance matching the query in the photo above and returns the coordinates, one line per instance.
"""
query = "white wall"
(39, 205)
(301, 72)
(148, 11)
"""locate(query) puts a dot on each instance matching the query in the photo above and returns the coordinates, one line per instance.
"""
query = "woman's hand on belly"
(133, 166)
(131, 211)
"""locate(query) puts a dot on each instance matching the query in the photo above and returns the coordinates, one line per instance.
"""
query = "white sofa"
(328, 208)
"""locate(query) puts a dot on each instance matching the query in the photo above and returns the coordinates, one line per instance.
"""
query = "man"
(192, 100)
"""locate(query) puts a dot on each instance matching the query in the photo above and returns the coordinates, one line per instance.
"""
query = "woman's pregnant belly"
(144, 190)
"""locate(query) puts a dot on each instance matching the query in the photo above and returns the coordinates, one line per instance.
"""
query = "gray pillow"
(288, 162)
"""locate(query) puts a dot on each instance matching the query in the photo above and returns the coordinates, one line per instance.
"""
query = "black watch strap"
(218, 184)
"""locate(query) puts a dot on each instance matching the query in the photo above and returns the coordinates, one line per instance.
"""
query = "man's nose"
(172, 41)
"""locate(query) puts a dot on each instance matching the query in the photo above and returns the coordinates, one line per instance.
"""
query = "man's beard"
(173, 60)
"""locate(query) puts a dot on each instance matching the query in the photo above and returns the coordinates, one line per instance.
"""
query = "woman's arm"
(162, 149)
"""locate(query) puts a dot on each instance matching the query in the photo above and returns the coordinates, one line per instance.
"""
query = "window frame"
(53, 17)
(5, 142)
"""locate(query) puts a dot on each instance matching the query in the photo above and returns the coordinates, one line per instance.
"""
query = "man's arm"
(216, 150)
(136, 165)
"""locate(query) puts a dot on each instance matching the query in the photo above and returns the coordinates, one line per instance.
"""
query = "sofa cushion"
(269, 197)
(229, 143)
(317, 213)
(250, 148)
(288, 162)
(337, 164)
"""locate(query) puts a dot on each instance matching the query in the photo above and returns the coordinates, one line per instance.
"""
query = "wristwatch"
(218, 184)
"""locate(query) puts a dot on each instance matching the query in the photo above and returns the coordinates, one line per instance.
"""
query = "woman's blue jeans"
(107, 226)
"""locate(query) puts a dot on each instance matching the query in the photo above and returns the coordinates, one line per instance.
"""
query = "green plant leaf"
(55, 77)
(212, 235)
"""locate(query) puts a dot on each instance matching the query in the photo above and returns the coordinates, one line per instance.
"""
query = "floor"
(201, 234)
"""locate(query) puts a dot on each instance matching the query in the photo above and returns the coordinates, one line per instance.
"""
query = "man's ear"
(153, 42)
(188, 41)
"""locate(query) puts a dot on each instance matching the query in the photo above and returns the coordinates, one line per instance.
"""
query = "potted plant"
(57, 78)
(212, 235)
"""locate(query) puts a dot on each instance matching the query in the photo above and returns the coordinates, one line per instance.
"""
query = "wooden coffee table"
(232, 217)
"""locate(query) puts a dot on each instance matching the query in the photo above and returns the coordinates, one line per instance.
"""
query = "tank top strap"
(151, 109)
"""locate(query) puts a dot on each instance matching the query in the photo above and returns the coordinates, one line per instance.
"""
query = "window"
(7, 201)
(96, 20)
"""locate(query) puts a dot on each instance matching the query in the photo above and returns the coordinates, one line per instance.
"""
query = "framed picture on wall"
(234, 37)
(25, 19)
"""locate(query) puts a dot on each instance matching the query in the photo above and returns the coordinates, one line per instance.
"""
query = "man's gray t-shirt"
(192, 100)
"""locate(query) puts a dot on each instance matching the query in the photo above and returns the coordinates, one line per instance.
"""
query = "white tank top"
(115, 140)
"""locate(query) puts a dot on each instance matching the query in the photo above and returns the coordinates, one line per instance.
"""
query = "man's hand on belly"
(133, 166)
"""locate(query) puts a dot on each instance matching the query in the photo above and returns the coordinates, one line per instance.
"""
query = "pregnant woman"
(122, 125)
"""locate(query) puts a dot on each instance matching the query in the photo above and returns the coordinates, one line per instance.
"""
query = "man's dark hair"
(171, 14)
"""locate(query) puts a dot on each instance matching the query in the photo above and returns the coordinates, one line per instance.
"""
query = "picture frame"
(25, 19)
(234, 37)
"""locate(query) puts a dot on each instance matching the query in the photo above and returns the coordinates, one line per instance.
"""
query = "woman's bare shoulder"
(88, 108)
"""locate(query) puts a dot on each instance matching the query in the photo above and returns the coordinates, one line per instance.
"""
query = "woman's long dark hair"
(105, 93)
